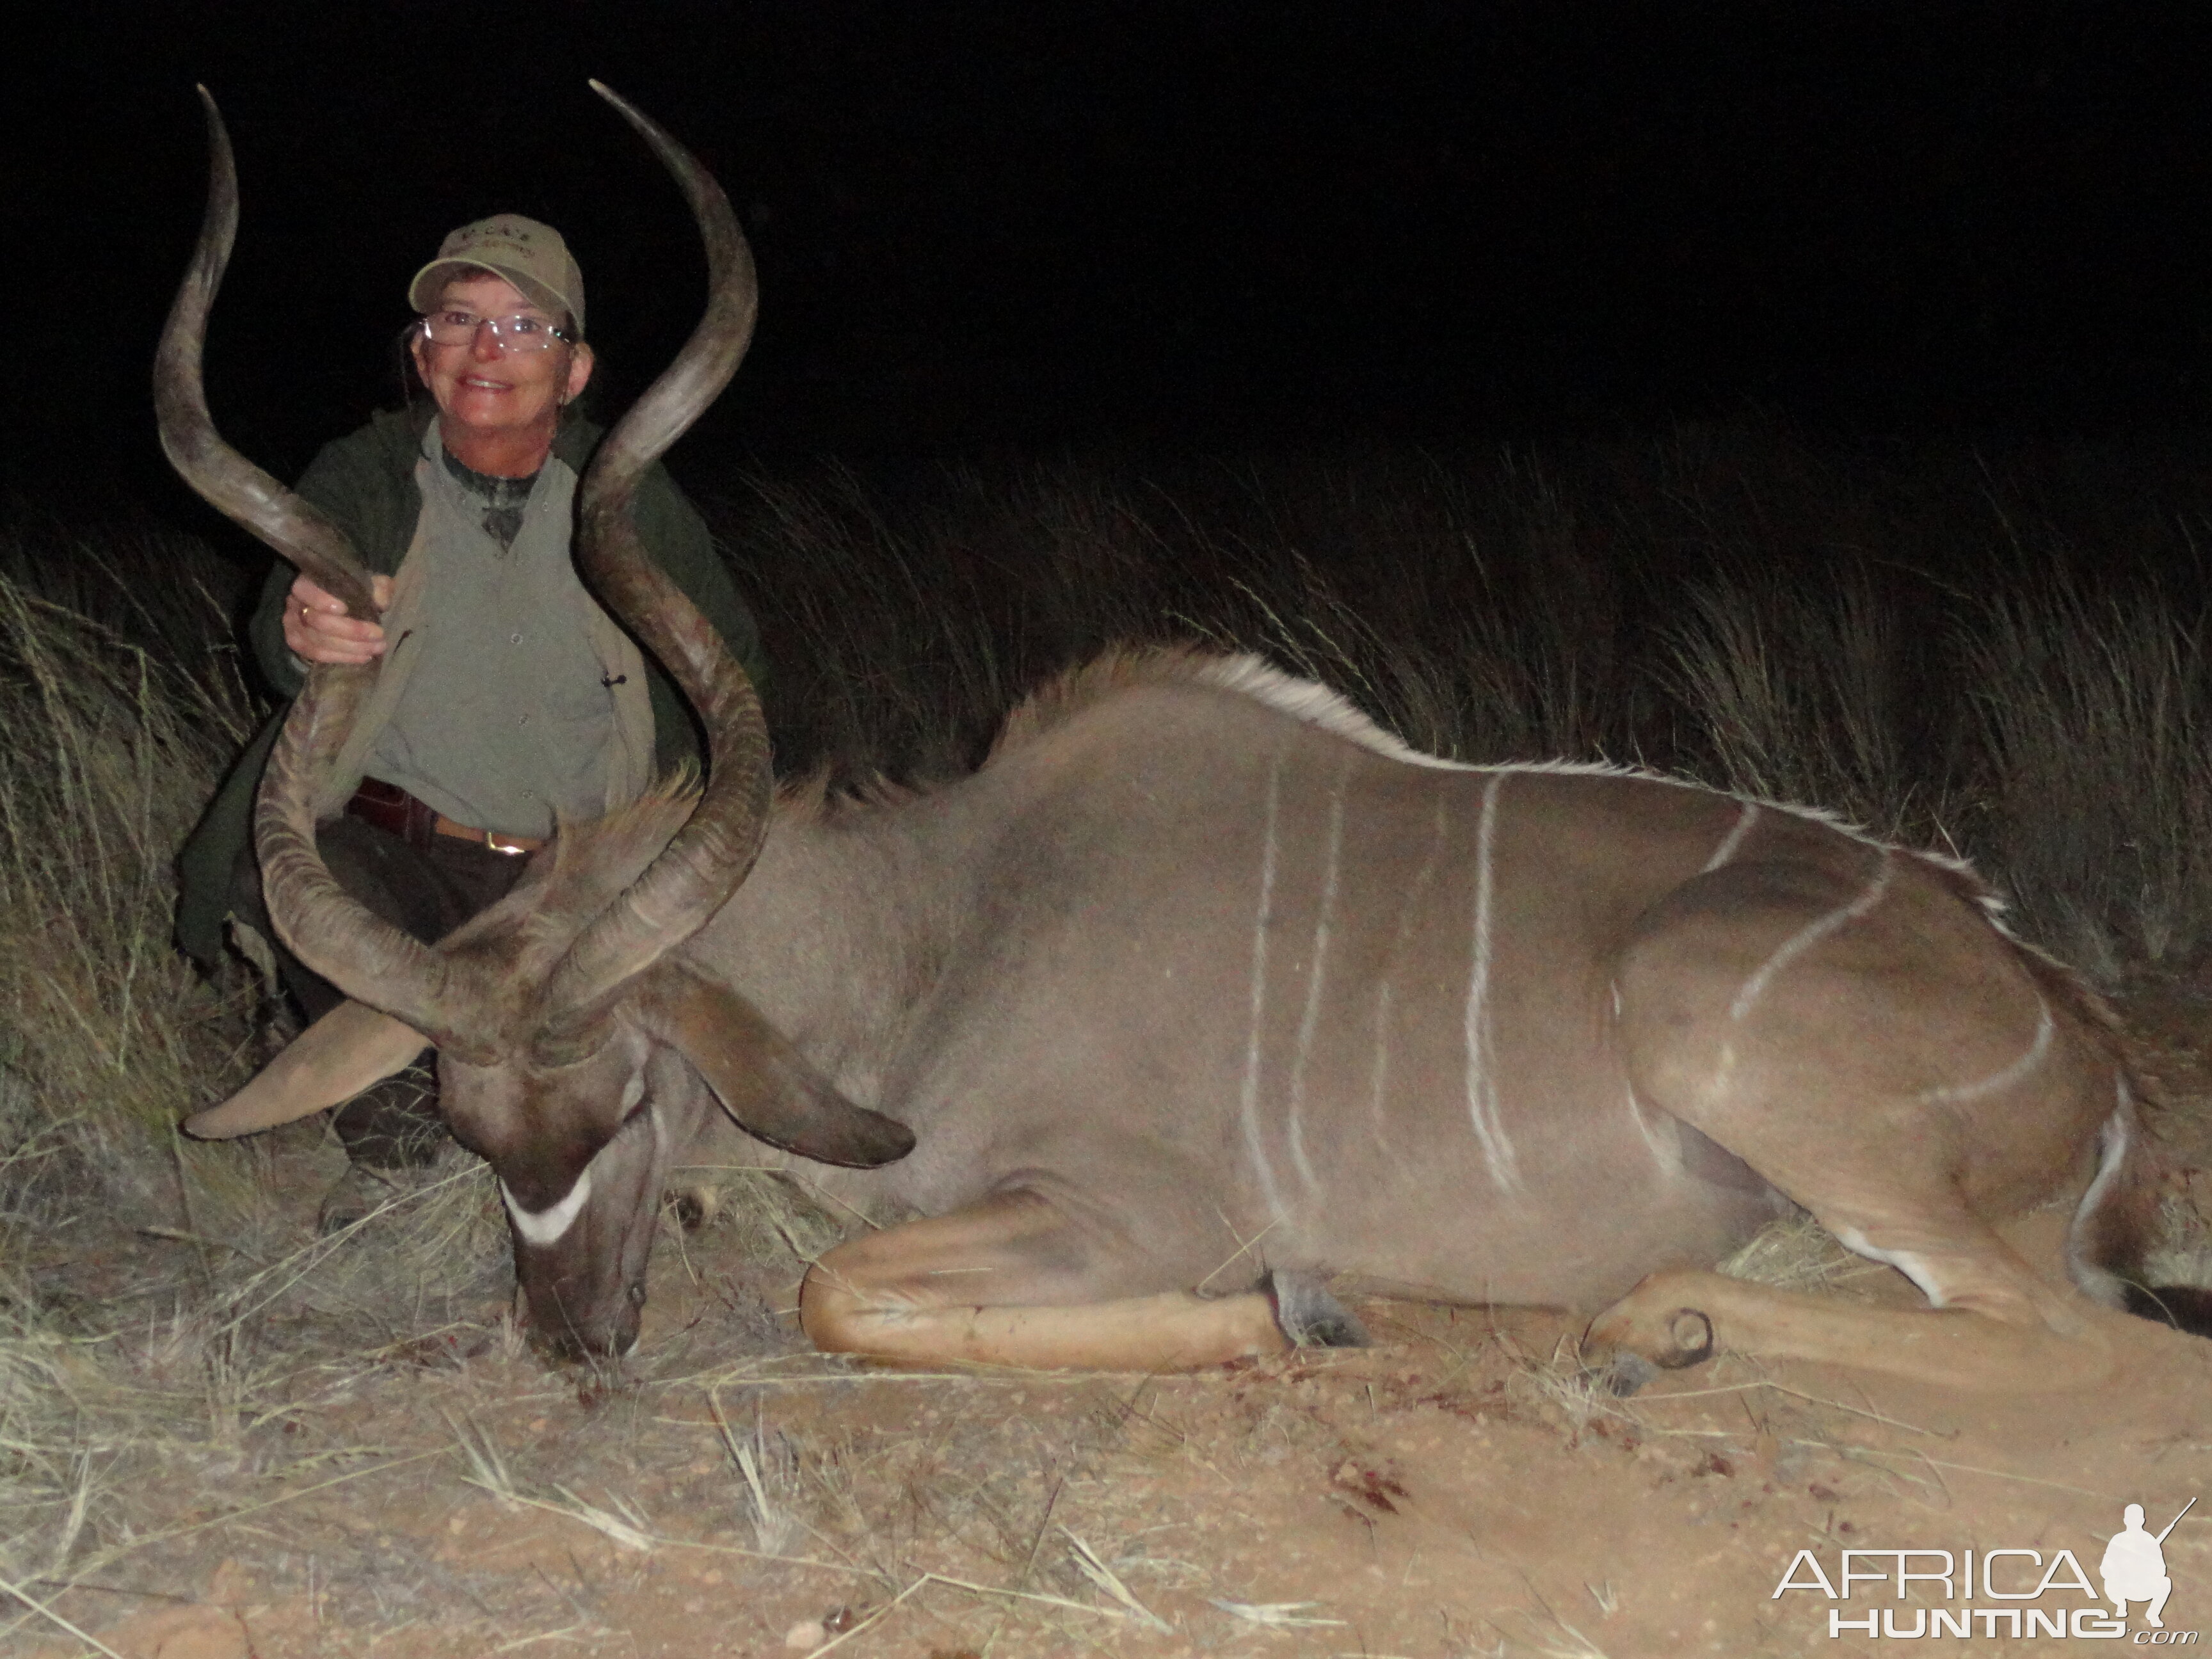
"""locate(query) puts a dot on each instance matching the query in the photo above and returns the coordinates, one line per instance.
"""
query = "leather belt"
(391, 808)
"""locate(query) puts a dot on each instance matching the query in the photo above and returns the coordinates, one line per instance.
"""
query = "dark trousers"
(426, 891)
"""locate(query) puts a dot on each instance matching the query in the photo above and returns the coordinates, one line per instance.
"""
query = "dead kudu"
(1205, 991)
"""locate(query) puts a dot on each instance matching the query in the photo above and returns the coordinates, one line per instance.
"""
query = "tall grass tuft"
(1797, 695)
(119, 706)
(2096, 711)
(117, 716)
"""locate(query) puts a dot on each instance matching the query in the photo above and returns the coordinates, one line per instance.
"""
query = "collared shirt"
(507, 719)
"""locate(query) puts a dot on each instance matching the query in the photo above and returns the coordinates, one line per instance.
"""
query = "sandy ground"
(1449, 1492)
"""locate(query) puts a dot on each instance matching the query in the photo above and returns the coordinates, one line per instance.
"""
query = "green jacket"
(366, 483)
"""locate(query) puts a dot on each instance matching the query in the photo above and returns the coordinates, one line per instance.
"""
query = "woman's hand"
(317, 629)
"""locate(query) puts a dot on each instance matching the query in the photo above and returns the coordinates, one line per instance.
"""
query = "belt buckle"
(513, 846)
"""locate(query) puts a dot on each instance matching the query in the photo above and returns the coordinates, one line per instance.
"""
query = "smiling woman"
(506, 698)
(501, 343)
(501, 372)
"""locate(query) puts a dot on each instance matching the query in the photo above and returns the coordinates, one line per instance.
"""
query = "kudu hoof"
(1623, 1355)
(1310, 1316)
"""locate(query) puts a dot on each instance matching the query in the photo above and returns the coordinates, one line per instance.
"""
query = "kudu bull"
(1203, 982)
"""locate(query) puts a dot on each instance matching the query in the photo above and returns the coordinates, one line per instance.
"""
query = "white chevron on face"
(548, 1226)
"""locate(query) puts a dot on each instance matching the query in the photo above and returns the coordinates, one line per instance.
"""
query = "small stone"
(806, 1636)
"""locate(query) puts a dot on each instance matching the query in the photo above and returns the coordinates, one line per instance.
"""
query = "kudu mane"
(1128, 667)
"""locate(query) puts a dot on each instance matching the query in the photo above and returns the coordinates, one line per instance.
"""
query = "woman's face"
(488, 388)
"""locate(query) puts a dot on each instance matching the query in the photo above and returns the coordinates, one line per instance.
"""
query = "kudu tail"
(2117, 1225)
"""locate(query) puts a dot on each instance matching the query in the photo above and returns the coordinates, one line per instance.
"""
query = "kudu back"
(1204, 994)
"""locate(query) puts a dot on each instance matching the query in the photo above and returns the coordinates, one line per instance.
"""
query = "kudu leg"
(1010, 1281)
(1870, 1051)
(1678, 1319)
(2001, 1329)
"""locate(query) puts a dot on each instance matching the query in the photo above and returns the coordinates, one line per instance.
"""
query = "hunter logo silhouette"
(2134, 1567)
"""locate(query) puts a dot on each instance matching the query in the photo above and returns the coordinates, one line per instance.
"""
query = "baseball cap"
(528, 254)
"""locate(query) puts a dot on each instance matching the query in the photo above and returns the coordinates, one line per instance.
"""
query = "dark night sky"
(1196, 222)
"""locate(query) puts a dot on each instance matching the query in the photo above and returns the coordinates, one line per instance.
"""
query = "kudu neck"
(841, 928)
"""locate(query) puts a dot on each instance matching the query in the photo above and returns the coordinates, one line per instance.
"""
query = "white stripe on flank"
(2038, 1047)
(1481, 1083)
(1667, 1154)
(1408, 908)
(1263, 918)
(1324, 921)
(546, 1226)
(1734, 839)
(1810, 935)
(1378, 1072)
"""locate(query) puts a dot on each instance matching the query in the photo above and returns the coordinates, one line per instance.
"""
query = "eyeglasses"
(519, 332)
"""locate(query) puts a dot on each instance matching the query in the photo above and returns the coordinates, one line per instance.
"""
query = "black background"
(1215, 224)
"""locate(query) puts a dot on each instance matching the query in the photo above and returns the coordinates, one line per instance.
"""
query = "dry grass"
(109, 743)
(107, 754)
(1911, 642)
(2098, 708)
(1797, 1254)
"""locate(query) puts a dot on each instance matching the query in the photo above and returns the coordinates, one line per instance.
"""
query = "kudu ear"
(333, 1060)
(764, 1084)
